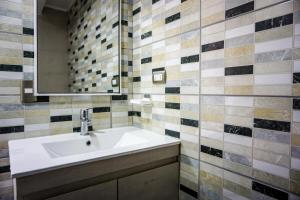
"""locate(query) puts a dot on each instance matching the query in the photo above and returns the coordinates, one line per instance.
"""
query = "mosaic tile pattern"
(54, 115)
(251, 54)
(248, 135)
(166, 36)
(248, 144)
(93, 53)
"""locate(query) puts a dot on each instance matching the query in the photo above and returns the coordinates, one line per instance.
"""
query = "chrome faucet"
(85, 121)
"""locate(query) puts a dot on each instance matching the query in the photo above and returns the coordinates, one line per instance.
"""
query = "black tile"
(124, 23)
(172, 18)
(158, 69)
(103, 19)
(134, 113)
(81, 47)
(136, 11)
(212, 151)
(93, 61)
(296, 104)
(98, 72)
(155, 1)
(269, 191)
(119, 97)
(98, 27)
(90, 71)
(189, 191)
(136, 79)
(89, 8)
(146, 60)
(124, 74)
(11, 68)
(28, 31)
(61, 118)
(130, 63)
(146, 35)
(172, 90)
(109, 46)
(239, 10)
(98, 36)
(238, 130)
(103, 41)
(172, 133)
(101, 109)
(189, 122)
(190, 59)
(28, 54)
(272, 125)
(274, 22)
(115, 24)
(42, 99)
(94, 85)
(4, 169)
(78, 129)
(129, 34)
(11, 129)
(213, 46)
(240, 70)
(296, 78)
(170, 105)
(104, 75)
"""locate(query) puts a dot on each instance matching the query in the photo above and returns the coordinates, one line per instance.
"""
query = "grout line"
(255, 10)
(251, 178)
(199, 107)
(166, 38)
(199, 28)
(219, 95)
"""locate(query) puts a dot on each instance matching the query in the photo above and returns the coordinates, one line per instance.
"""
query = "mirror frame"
(35, 68)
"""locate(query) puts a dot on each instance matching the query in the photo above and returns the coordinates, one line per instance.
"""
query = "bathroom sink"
(94, 142)
(40, 154)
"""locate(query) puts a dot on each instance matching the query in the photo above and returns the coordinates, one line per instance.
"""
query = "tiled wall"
(166, 35)
(93, 36)
(249, 133)
(54, 115)
(230, 95)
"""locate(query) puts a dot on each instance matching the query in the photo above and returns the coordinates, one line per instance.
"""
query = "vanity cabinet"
(156, 184)
(147, 175)
(103, 191)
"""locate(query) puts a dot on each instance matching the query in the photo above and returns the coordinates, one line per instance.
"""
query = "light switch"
(115, 81)
(159, 76)
(27, 92)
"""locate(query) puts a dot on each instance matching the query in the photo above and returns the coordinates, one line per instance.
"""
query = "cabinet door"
(156, 184)
(103, 191)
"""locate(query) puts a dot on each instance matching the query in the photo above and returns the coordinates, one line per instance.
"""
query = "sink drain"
(88, 143)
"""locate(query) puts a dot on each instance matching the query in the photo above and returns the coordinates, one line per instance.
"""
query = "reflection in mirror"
(78, 46)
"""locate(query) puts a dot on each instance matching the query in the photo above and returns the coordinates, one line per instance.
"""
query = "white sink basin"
(95, 142)
(35, 155)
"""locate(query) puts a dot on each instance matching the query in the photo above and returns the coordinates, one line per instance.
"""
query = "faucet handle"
(84, 113)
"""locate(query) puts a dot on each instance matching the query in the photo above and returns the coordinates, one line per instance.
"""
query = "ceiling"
(62, 5)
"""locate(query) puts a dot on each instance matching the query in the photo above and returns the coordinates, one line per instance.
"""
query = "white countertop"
(29, 156)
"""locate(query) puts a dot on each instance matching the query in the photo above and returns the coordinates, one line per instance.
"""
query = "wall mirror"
(78, 46)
